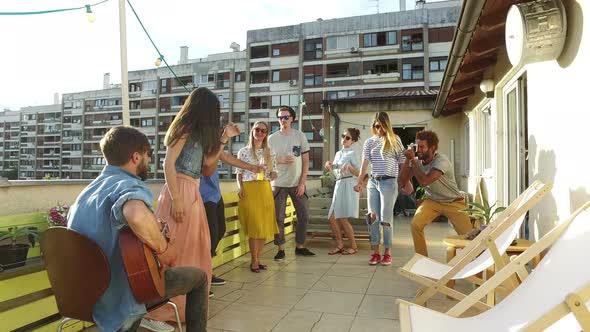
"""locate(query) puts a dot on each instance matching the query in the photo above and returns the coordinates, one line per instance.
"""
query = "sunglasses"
(260, 130)
(377, 126)
(346, 137)
(283, 117)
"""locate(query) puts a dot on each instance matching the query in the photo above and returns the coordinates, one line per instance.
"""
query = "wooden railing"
(26, 299)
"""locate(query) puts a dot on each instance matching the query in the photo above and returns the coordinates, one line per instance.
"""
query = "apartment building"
(40, 142)
(304, 66)
(156, 96)
(343, 58)
(9, 144)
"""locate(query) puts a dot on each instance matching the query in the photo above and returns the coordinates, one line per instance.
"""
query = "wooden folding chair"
(487, 249)
(555, 296)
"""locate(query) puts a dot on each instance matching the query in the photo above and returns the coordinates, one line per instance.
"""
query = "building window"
(222, 80)
(413, 69)
(379, 39)
(412, 40)
(313, 80)
(342, 42)
(238, 117)
(257, 52)
(223, 99)
(467, 158)
(313, 49)
(163, 85)
(147, 122)
(438, 64)
(285, 49)
(240, 138)
(380, 67)
(333, 95)
(258, 77)
(150, 86)
(239, 97)
(276, 75)
(240, 76)
(289, 100)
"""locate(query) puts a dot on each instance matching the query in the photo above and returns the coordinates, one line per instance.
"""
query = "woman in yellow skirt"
(256, 208)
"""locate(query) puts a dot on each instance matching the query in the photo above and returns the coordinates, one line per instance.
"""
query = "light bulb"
(158, 62)
(90, 15)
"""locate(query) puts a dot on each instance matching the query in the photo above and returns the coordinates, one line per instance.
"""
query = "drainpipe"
(470, 12)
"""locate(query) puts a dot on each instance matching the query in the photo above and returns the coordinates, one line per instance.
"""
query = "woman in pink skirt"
(193, 146)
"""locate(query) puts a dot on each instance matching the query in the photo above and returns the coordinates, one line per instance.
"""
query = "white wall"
(559, 122)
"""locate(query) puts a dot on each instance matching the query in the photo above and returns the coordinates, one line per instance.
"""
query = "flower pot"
(11, 257)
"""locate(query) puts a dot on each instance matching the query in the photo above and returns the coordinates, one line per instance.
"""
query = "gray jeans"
(192, 282)
(301, 209)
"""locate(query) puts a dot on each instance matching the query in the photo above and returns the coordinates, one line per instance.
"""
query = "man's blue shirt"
(209, 188)
(98, 214)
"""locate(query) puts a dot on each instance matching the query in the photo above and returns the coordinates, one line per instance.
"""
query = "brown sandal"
(337, 250)
(350, 251)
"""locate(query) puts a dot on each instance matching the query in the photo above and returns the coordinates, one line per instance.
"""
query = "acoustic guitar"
(144, 271)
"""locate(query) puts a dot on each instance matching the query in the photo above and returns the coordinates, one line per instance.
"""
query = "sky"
(62, 52)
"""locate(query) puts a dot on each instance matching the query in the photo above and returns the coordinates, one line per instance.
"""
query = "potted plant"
(15, 254)
(420, 195)
(58, 215)
(482, 214)
(328, 179)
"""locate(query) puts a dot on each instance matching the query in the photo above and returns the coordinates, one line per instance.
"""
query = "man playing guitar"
(118, 198)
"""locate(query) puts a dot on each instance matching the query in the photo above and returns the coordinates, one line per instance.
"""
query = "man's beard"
(143, 170)
(424, 156)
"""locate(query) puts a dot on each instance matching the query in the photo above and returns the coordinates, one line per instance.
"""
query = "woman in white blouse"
(256, 208)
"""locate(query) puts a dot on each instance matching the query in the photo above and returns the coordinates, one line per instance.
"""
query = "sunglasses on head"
(346, 137)
(283, 117)
(260, 130)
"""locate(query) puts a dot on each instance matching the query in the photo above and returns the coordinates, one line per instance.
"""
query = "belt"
(382, 177)
(344, 177)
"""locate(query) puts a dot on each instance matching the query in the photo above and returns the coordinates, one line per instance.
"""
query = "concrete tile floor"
(322, 293)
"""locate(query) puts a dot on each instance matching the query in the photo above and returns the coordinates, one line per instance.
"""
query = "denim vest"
(190, 160)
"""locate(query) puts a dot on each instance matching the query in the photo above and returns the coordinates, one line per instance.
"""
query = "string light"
(90, 15)
(50, 11)
(160, 58)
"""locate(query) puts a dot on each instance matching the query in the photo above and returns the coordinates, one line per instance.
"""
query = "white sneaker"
(156, 325)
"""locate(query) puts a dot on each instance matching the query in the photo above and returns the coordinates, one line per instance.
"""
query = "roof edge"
(468, 19)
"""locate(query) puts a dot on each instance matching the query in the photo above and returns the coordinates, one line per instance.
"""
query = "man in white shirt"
(292, 150)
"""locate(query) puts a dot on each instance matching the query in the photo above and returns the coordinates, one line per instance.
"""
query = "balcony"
(297, 286)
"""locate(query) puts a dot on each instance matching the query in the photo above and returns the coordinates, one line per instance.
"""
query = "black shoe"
(216, 281)
(211, 294)
(280, 255)
(303, 252)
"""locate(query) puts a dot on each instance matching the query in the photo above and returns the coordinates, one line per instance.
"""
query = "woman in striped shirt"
(384, 151)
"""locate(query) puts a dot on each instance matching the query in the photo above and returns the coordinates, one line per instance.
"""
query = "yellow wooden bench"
(26, 299)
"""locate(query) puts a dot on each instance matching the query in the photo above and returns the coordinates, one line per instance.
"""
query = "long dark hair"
(199, 119)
